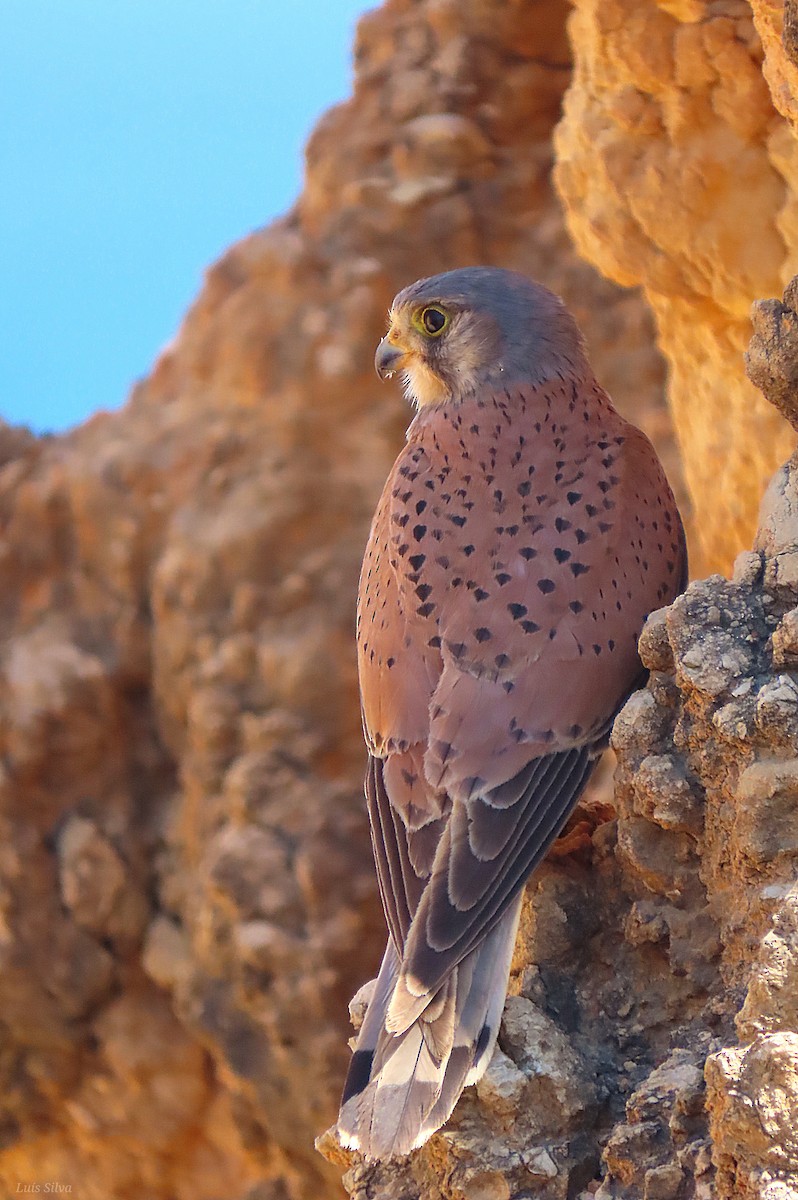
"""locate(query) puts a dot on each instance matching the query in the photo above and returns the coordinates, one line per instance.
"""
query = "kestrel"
(525, 532)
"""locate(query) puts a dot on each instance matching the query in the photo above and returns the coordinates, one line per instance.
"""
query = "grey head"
(478, 327)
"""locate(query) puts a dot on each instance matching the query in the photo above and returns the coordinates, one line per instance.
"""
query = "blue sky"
(138, 139)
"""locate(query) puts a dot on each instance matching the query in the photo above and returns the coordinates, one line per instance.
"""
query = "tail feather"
(438, 1029)
(403, 1086)
(478, 1024)
(361, 1066)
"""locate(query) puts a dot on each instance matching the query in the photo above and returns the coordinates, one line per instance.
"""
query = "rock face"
(677, 162)
(186, 895)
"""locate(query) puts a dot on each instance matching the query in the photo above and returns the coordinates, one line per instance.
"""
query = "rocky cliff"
(186, 896)
(678, 164)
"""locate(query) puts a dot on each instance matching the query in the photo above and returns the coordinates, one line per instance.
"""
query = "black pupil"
(434, 320)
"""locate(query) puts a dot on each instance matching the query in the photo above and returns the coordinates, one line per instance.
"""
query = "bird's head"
(478, 327)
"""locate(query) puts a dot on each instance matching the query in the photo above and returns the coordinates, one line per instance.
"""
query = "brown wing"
(441, 903)
(520, 548)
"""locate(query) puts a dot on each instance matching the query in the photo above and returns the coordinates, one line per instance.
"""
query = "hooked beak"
(387, 359)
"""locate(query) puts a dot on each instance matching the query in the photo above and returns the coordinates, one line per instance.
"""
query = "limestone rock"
(186, 895)
(678, 166)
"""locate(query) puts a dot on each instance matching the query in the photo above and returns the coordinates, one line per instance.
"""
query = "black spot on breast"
(423, 590)
(417, 561)
(482, 634)
(503, 578)
(561, 524)
(576, 606)
(481, 594)
(529, 627)
(578, 568)
(468, 551)
(547, 585)
(501, 660)
(419, 531)
(561, 555)
(573, 497)
(424, 610)
(517, 610)
(528, 552)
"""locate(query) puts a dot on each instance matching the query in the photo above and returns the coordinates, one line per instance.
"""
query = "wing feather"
(386, 856)
(462, 900)
(442, 933)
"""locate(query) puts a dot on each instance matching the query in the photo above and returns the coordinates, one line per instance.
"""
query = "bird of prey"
(524, 534)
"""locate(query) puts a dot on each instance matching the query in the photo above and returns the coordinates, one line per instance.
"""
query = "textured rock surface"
(678, 165)
(186, 898)
(186, 895)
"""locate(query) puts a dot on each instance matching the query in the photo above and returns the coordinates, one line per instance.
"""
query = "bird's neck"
(518, 399)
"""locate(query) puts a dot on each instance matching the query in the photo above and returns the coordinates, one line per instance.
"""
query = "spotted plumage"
(524, 533)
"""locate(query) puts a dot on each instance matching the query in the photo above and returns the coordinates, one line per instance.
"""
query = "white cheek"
(421, 385)
(408, 387)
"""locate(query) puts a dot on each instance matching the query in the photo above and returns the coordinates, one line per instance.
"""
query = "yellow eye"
(432, 320)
